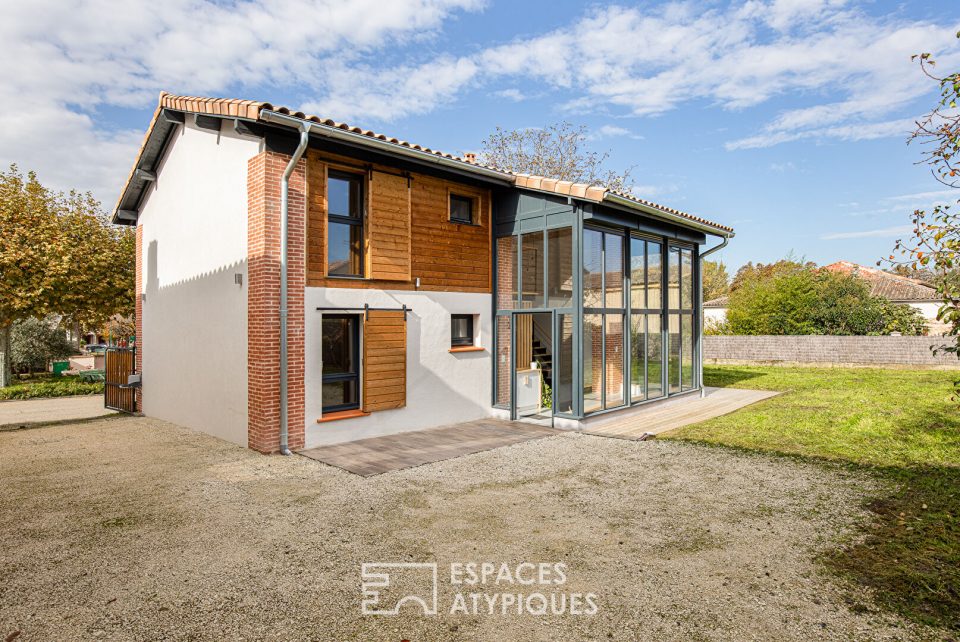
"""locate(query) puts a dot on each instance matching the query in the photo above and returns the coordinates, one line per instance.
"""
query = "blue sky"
(784, 118)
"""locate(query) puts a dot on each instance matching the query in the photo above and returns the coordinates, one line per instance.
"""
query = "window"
(461, 209)
(340, 351)
(461, 330)
(344, 224)
(560, 268)
(531, 270)
(604, 334)
(680, 321)
(646, 308)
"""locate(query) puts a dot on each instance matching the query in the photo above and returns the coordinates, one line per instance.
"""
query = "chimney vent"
(470, 157)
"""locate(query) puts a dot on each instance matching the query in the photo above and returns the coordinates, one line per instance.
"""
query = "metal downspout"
(284, 213)
(723, 244)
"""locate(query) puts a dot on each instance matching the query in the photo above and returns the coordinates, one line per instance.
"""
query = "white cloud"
(613, 131)
(937, 196)
(904, 204)
(848, 73)
(782, 168)
(65, 64)
(848, 132)
(886, 232)
(853, 69)
(511, 94)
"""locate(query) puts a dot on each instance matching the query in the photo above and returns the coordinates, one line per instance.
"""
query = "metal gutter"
(667, 216)
(387, 147)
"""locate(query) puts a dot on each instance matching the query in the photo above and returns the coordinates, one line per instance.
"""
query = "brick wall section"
(264, 173)
(827, 350)
(138, 315)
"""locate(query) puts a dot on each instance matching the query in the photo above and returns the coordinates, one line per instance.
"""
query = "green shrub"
(34, 343)
(789, 297)
(50, 387)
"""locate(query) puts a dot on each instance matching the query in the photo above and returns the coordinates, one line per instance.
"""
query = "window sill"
(466, 349)
(341, 414)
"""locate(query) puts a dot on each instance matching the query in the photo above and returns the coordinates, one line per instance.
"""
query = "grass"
(899, 425)
(47, 386)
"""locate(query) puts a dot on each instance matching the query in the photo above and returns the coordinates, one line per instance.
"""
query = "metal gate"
(118, 394)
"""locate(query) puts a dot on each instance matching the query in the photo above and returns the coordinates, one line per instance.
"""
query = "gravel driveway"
(132, 528)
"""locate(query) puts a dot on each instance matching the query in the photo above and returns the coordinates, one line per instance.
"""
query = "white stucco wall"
(195, 315)
(928, 309)
(714, 316)
(442, 387)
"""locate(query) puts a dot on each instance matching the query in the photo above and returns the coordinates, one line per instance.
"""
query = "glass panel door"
(533, 367)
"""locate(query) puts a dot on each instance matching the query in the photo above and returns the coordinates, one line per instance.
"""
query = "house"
(896, 288)
(304, 282)
(715, 311)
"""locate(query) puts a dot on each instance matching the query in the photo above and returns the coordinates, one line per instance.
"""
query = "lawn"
(47, 386)
(902, 426)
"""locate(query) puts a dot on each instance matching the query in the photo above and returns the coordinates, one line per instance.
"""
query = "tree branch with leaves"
(935, 243)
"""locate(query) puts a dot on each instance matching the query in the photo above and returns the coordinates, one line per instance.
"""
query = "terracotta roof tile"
(719, 302)
(890, 286)
(250, 109)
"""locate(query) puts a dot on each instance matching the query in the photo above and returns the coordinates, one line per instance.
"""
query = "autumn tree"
(935, 243)
(716, 281)
(556, 151)
(59, 256)
(99, 283)
(28, 267)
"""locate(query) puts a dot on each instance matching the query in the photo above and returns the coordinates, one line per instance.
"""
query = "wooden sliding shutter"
(384, 360)
(389, 236)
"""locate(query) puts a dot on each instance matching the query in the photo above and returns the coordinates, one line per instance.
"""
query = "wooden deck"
(650, 420)
(378, 455)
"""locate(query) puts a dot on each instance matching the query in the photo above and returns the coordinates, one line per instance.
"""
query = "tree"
(28, 232)
(102, 258)
(716, 281)
(935, 243)
(788, 265)
(556, 151)
(767, 301)
(37, 342)
(790, 297)
(59, 255)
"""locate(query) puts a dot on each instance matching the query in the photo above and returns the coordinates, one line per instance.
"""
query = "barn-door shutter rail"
(366, 309)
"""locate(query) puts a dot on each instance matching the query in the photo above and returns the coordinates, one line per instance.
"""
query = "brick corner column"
(264, 173)
(138, 316)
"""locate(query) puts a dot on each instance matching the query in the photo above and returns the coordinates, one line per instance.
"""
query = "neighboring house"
(406, 305)
(894, 287)
(715, 310)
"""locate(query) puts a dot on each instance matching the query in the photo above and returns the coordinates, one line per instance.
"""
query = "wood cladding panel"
(384, 360)
(388, 237)
(445, 256)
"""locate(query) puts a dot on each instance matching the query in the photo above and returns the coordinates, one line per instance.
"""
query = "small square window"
(461, 330)
(461, 209)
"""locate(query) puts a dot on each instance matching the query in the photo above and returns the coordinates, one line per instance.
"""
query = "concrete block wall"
(828, 350)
